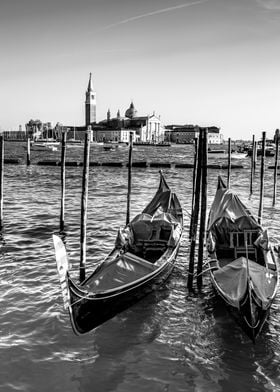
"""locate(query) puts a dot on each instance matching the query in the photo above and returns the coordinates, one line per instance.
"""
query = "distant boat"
(152, 144)
(74, 141)
(238, 155)
(48, 141)
(45, 145)
(269, 151)
(108, 147)
(215, 151)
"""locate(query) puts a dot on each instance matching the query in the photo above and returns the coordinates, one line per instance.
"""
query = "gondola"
(142, 258)
(242, 264)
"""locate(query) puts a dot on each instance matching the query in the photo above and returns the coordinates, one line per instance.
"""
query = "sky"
(204, 62)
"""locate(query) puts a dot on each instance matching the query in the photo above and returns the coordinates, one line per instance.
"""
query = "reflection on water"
(169, 341)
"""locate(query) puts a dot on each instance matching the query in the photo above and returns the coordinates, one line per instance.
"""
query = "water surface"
(169, 341)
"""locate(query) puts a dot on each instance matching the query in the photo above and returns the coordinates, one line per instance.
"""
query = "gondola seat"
(142, 231)
(243, 243)
(152, 250)
(150, 238)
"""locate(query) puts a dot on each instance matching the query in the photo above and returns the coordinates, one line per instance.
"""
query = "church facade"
(146, 129)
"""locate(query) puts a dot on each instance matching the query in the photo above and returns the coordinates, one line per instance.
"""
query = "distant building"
(185, 134)
(147, 129)
(214, 136)
(182, 134)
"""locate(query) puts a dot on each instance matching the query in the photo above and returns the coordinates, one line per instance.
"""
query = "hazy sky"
(211, 62)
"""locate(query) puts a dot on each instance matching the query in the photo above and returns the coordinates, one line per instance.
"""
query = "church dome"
(131, 111)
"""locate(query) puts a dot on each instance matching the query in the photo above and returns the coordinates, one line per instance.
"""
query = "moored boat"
(74, 143)
(44, 145)
(269, 150)
(216, 151)
(107, 146)
(238, 155)
(142, 258)
(243, 266)
(152, 144)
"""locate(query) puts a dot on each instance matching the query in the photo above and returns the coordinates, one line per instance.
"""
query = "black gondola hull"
(90, 312)
(250, 322)
(142, 258)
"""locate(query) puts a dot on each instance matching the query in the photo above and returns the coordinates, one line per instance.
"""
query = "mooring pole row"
(262, 178)
(255, 152)
(193, 184)
(229, 163)
(129, 177)
(195, 212)
(203, 210)
(275, 166)
(62, 201)
(252, 165)
(28, 160)
(84, 202)
(1, 179)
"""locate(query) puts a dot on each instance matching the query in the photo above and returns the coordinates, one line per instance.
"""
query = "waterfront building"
(185, 134)
(117, 135)
(214, 136)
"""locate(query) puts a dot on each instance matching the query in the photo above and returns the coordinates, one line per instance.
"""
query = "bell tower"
(90, 104)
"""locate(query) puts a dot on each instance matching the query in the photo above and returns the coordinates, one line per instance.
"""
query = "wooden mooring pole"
(28, 161)
(262, 178)
(193, 184)
(129, 177)
(62, 201)
(229, 163)
(84, 207)
(203, 209)
(195, 213)
(275, 166)
(1, 179)
(252, 165)
(255, 155)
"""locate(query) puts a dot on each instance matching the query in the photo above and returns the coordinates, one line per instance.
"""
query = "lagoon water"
(170, 341)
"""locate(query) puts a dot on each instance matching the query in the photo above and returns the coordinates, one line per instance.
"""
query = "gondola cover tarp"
(232, 280)
(228, 213)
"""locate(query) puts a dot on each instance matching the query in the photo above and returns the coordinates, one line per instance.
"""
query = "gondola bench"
(150, 238)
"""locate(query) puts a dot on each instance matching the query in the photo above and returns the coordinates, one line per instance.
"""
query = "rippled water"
(169, 341)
